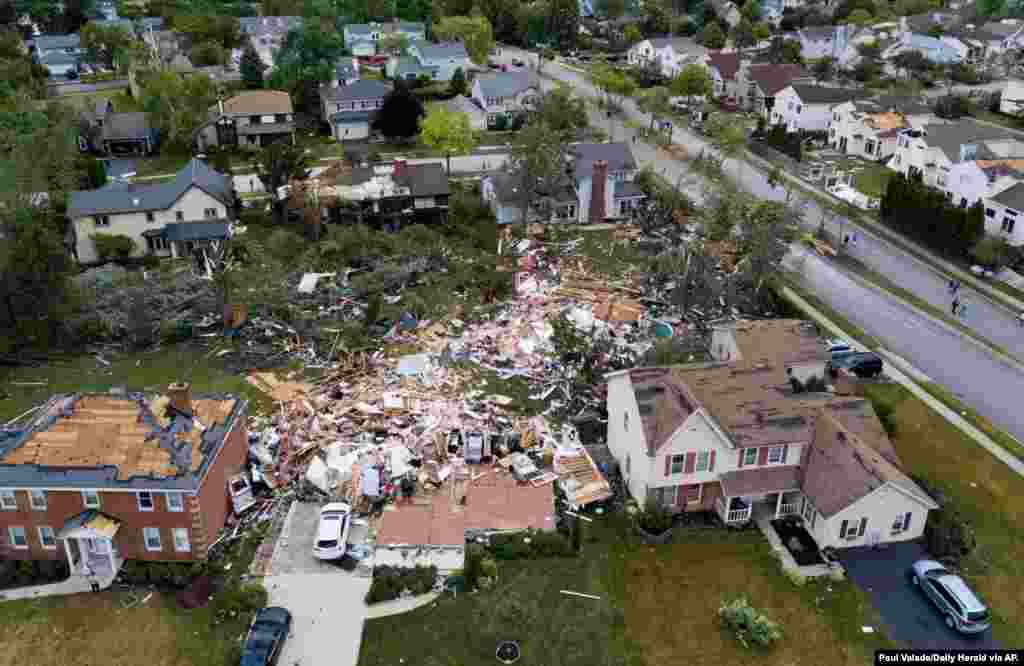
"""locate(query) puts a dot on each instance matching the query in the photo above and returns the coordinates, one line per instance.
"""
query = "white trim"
(85, 500)
(152, 500)
(167, 501)
(42, 541)
(174, 537)
(10, 536)
(159, 538)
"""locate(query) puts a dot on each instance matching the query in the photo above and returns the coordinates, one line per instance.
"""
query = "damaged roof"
(618, 156)
(101, 440)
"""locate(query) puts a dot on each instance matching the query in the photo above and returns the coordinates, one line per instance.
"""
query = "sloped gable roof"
(1012, 197)
(811, 94)
(618, 156)
(727, 64)
(772, 78)
(430, 51)
(361, 89)
(506, 84)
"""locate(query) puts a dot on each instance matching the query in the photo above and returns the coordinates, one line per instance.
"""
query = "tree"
(475, 32)
(278, 164)
(782, 50)
(448, 132)
(824, 69)
(103, 43)
(615, 85)
(743, 34)
(394, 44)
(729, 139)
(611, 9)
(19, 73)
(207, 54)
(631, 34)
(761, 32)
(399, 115)
(200, 28)
(562, 22)
(692, 81)
(993, 252)
(458, 86)
(860, 17)
(178, 104)
(304, 61)
(657, 17)
(913, 63)
(655, 101)
(751, 11)
(251, 67)
(712, 36)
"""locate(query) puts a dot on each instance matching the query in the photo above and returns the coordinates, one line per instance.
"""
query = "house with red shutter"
(740, 437)
(98, 479)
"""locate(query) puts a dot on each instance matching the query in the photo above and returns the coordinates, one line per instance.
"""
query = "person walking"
(955, 306)
(1020, 320)
(963, 311)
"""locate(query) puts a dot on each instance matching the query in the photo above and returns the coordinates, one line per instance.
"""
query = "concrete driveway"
(909, 617)
(326, 602)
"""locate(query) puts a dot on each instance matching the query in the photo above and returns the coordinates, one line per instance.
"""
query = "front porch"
(89, 546)
(772, 492)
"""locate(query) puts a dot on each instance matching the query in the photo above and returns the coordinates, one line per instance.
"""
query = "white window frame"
(781, 456)
(9, 500)
(753, 461)
(178, 548)
(32, 494)
(85, 499)
(13, 541)
(681, 466)
(181, 502)
(210, 213)
(42, 539)
(159, 539)
(707, 461)
(138, 500)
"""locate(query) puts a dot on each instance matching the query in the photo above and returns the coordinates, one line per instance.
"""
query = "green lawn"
(872, 179)
(658, 605)
(987, 493)
(1000, 119)
(122, 100)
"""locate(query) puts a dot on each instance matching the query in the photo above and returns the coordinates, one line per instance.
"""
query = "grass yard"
(872, 179)
(89, 629)
(122, 100)
(658, 606)
(167, 163)
(987, 492)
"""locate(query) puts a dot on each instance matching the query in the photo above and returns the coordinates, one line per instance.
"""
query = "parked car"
(837, 346)
(267, 633)
(862, 364)
(518, 62)
(332, 531)
(962, 609)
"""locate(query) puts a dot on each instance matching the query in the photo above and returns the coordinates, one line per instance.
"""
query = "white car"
(332, 531)
(838, 346)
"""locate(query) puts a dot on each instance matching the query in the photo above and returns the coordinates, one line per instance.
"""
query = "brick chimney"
(598, 194)
(180, 394)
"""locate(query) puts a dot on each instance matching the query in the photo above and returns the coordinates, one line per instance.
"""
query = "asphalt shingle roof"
(773, 78)
(47, 42)
(506, 84)
(429, 51)
(193, 231)
(949, 137)
(810, 94)
(1012, 198)
(120, 197)
(617, 155)
(361, 89)
(120, 126)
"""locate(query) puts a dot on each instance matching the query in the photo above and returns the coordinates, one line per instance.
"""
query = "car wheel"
(950, 622)
(915, 580)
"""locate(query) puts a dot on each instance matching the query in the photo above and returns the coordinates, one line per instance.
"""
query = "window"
(898, 159)
(703, 458)
(989, 212)
(677, 463)
(627, 464)
(210, 213)
(150, 217)
(775, 455)
(832, 131)
(1008, 224)
(664, 496)
(145, 500)
(963, 202)
(799, 109)
(16, 537)
(157, 243)
(625, 421)
(37, 498)
(941, 179)
(8, 500)
(280, 118)
(854, 531)
(692, 494)
(91, 499)
(151, 535)
(749, 456)
(179, 216)
(47, 537)
(902, 523)
(102, 220)
(181, 543)
(175, 502)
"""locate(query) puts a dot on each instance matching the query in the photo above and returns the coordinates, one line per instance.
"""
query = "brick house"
(99, 479)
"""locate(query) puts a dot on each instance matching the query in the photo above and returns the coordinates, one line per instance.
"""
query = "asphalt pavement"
(983, 381)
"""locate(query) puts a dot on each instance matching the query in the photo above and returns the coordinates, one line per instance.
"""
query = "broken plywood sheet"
(278, 389)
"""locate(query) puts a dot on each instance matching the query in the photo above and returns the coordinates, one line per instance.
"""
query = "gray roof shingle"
(361, 89)
(1012, 198)
(821, 95)
(618, 156)
(949, 137)
(120, 126)
(429, 51)
(506, 84)
(192, 231)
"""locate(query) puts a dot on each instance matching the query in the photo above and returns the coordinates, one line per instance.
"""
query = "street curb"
(282, 537)
(906, 382)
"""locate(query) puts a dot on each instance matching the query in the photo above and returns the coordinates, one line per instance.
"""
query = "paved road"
(58, 88)
(908, 616)
(983, 381)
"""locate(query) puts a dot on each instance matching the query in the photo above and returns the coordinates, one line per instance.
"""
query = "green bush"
(654, 518)
(472, 569)
(286, 245)
(531, 544)
(93, 329)
(151, 262)
(238, 599)
(390, 582)
(749, 626)
(113, 246)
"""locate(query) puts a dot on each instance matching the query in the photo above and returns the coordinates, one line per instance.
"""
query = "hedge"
(531, 544)
(390, 582)
(924, 213)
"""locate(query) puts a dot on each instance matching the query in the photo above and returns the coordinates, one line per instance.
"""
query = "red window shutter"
(762, 456)
(691, 462)
(742, 456)
(785, 452)
(711, 461)
(668, 464)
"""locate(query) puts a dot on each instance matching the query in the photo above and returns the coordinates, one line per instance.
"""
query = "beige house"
(251, 119)
(733, 436)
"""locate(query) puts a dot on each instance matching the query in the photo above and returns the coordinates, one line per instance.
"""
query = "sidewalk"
(901, 378)
(398, 606)
(75, 584)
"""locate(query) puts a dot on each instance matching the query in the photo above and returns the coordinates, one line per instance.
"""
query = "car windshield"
(327, 543)
(936, 573)
(978, 616)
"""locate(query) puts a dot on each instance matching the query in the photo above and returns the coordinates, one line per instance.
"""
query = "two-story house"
(251, 119)
(723, 66)
(166, 219)
(1004, 215)
(868, 128)
(437, 62)
(60, 54)
(98, 479)
(361, 38)
(505, 96)
(758, 83)
(733, 437)
(598, 186)
(829, 41)
(267, 33)
(802, 107)
(349, 107)
(102, 130)
(668, 54)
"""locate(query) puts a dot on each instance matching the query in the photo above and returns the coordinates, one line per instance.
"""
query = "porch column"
(778, 503)
(67, 552)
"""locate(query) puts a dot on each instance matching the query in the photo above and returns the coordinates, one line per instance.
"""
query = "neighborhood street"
(985, 382)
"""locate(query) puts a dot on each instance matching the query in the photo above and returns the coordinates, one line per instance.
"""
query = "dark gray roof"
(506, 84)
(120, 126)
(120, 197)
(625, 189)
(904, 104)
(679, 44)
(1012, 198)
(948, 137)
(617, 155)
(193, 231)
(430, 51)
(508, 189)
(1001, 30)
(821, 95)
(423, 180)
(361, 89)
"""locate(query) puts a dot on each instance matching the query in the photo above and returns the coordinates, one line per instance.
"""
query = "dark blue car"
(266, 636)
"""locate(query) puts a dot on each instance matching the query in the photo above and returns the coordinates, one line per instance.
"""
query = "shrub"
(654, 518)
(530, 544)
(472, 570)
(238, 599)
(286, 245)
(93, 329)
(151, 262)
(749, 626)
(391, 582)
(113, 246)
(949, 535)
(26, 571)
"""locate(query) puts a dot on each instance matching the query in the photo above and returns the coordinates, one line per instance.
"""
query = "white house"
(831, 41)
(733, 437)
(361, 38)
(349, 107)
(808, 108)
(435, 61)
(167, 219)
(1004, 215)
(1011, 99)
(505, 96)
(869, 128)
(670, 54)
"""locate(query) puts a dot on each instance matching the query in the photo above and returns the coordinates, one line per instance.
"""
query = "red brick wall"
(214, 504)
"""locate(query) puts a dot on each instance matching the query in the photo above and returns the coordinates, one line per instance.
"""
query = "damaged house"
(99, 479)
(740, 438)
(598, 186)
